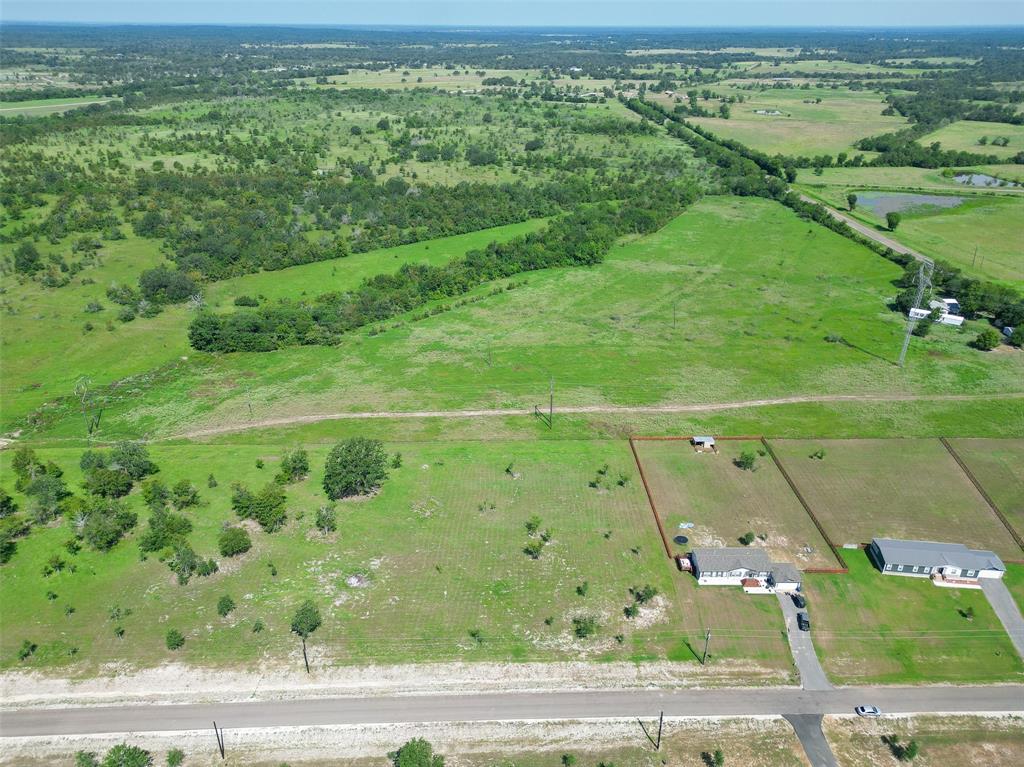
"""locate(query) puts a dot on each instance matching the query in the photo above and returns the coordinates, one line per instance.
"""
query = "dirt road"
(707, 407)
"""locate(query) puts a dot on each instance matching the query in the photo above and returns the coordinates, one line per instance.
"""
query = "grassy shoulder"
(871, 628)
(996, 740)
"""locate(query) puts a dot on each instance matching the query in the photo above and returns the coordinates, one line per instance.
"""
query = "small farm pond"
(982, 179)
(881, 203)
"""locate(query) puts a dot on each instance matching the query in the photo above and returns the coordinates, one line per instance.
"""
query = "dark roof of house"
(731, 558)
(935, 554)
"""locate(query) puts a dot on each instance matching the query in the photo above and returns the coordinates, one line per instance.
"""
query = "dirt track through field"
(708, 407)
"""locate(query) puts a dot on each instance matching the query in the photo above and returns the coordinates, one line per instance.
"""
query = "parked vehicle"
(868, 711)
(803, 621)
(800, 601)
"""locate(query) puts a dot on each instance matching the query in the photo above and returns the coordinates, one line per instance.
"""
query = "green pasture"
(731, 301)
(803, 129)
(46, 351)
(981, 235)
(998, 465)
(964, 136)
(870, 628)
(37, 107)
(410, 572)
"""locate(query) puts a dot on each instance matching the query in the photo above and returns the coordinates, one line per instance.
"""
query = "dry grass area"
(945, 740)
(724, 501)
(768, 742)
(998, 465)
(898, 488)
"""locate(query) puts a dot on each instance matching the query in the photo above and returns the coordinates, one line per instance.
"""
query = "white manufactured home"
(750, 568)
(947, 564)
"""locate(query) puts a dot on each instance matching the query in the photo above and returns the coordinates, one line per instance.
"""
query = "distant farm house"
(768, 112)
(947, 564)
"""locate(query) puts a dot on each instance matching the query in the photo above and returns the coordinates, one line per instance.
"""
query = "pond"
(881, 203)
(982, 179)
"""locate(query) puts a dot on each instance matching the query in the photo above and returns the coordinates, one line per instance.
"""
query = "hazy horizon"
(650, 14)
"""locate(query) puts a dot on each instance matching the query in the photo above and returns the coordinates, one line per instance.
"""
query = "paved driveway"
(808, 729)
(1006, 609)
(812, 675)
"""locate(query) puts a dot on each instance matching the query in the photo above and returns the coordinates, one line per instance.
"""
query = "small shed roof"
(704, 440)
(936, 554)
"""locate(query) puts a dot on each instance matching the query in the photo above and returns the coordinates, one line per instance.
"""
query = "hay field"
(900, 488)
(998, 465)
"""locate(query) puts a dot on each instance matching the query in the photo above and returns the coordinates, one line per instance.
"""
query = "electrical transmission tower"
(924, 284)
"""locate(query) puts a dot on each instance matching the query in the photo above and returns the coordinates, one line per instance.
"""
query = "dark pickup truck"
(803, 621)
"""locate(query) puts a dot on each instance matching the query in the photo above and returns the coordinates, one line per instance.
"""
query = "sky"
(574, 13)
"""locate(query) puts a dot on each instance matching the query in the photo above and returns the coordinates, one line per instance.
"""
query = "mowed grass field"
(724, 501)
(964, 136)
(943, 739)
(900, 488)
(436, 554)
(732, 300)
(803, 129)
(998, 465)
(870, 628)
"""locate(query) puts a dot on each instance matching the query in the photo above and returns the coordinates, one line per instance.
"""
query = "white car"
(868, 711)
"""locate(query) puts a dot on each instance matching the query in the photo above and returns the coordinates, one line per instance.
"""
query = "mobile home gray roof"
(784, 572)
(935, 554)
(726, 559)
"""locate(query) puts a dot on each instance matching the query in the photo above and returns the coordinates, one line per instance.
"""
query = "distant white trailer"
(945, 319)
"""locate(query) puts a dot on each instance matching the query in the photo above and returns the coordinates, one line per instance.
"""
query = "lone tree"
(746, 460)
(356, 466)
(892, 220)
(306, 621)
(417, 753)
(851, 201)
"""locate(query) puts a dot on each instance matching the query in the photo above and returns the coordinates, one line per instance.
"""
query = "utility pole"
(975, 259)
(661, 722)
(707, 641)
(551, 403)
(924, 282)
(220, 739)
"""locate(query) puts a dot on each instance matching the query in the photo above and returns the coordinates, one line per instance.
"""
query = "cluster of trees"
(579, 239)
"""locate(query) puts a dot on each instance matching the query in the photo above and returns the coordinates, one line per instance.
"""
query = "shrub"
(584, 626)
(175, 757)
(233, 541)
(986, 340)
(294, 466)
(326, 520)
(108, 483)
(747, 538)
(184, 494)
(631, 610)
(246, 301)
(533, 549)
(27, 649)
(644, 594)
(86, 759)
(225, 605)
(355, 467)
(533, 524)
(175, 640)
(266, 507)
(746, 460)
(416, 753)
(124, 755)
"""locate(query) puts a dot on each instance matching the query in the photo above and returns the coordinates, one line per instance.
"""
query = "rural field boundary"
(842, 570)
(984, 494)
(843, 567)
